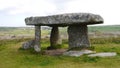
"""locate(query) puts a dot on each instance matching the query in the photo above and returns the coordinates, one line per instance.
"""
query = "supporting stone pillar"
(78, 36)
(55, 40)
(37, 38)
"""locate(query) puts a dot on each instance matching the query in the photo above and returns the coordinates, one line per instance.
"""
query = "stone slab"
(65, 19)
(78, 53)
(103, 54)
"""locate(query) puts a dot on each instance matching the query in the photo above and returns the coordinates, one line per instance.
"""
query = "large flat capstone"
(77, 28)
(65, 19)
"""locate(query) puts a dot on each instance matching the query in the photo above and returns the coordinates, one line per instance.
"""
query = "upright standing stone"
(55, 39)
(77, 29)
(78, 36)
(37, 38)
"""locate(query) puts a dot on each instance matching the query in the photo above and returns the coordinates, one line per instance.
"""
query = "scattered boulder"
(28, 44)
(103, 54)
(78, 53)
(37, 49)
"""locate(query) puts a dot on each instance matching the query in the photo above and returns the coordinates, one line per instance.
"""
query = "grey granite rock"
(103, 54)
(55, 38)
(37, 45)
(37, 48)
(78, 53)
(78, 36)
(65, 19)
(77, 30)
(28, 44)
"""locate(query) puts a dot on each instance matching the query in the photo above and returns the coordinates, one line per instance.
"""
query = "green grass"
(11, 56)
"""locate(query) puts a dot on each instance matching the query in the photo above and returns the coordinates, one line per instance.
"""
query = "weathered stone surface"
(89, 53)
(28, 44)
(55, 38)
(65, 19)
(77, 29)
(78, 53)
(78, 36)
(103, 54)
(37, 38)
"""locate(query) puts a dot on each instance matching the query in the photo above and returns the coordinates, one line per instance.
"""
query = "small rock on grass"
(28, 44)
(103, 54)
(78, 53)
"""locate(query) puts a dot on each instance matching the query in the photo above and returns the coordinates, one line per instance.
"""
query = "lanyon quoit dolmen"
(77, 28)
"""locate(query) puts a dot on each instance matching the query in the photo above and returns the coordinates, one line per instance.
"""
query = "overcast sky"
(13, 12)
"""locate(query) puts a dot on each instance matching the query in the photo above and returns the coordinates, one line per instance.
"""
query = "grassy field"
(12, 56)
